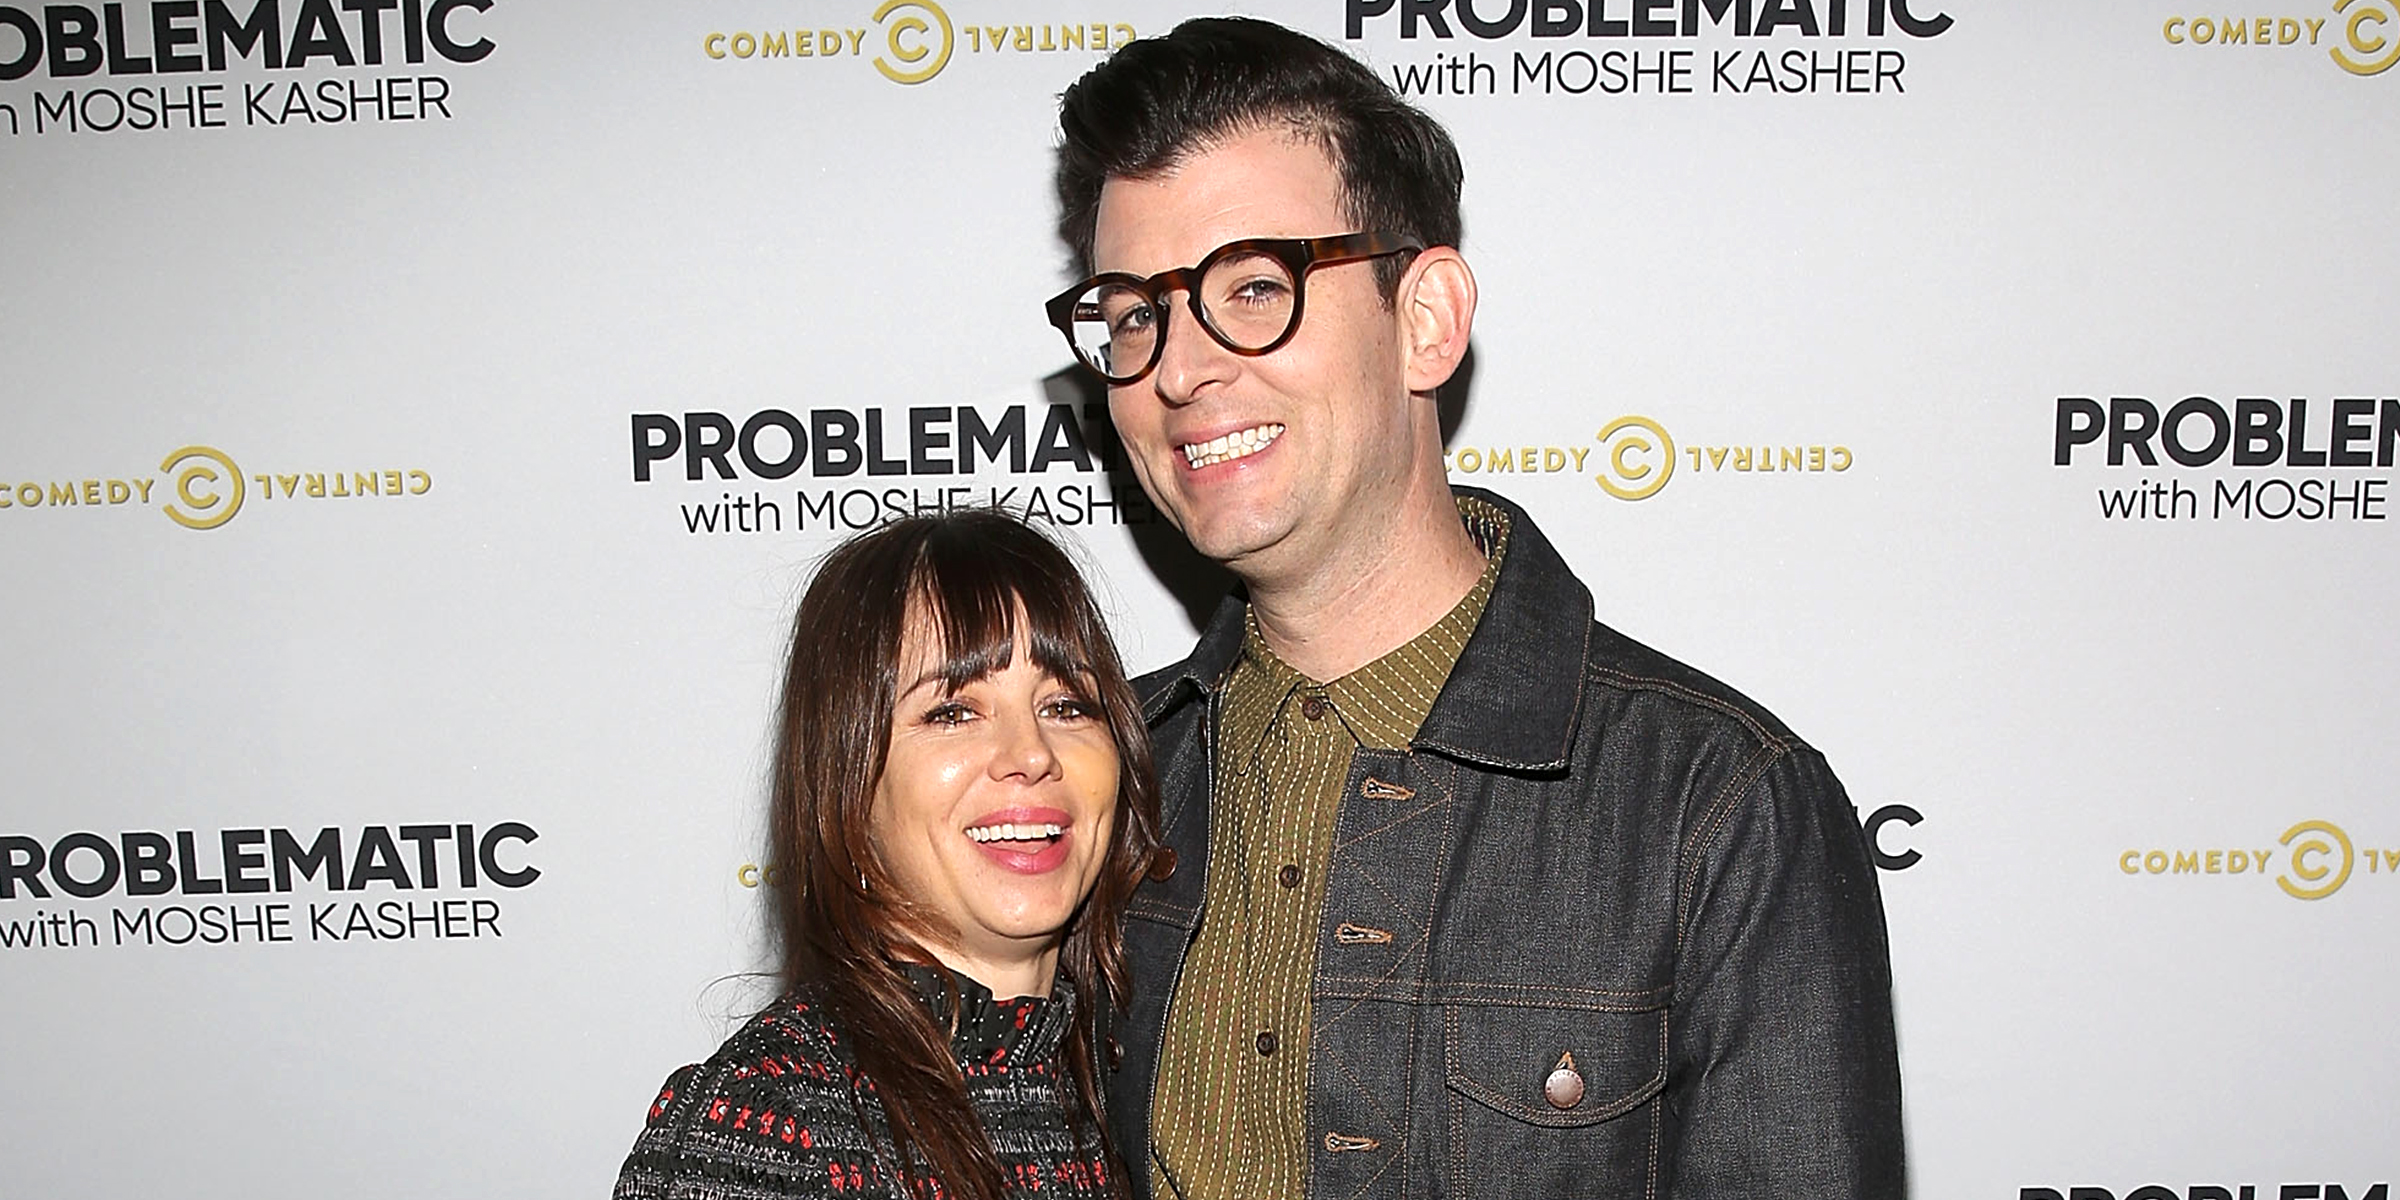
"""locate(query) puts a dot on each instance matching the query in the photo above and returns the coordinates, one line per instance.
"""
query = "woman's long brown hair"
(965, 577)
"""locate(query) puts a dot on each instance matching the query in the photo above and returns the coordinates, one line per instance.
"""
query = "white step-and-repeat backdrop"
(417, 416)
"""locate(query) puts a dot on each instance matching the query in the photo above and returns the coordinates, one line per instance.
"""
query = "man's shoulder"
(1627, 673)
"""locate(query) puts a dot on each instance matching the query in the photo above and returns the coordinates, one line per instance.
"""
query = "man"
(1465, 894)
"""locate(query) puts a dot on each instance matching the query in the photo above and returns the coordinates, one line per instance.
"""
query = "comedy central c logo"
(905, 39)
(2370, 32)
(2313, 873)
(195, 469)
(1639, 460)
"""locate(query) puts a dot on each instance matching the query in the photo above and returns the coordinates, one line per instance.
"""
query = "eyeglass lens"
(1247, 299)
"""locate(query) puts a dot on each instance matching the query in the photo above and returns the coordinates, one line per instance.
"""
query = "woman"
(963, 804)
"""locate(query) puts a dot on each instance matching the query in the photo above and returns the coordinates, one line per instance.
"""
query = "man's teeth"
(1013, 833)
(1238, 444)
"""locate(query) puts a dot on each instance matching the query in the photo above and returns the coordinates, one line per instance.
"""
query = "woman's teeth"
(1238, 444)
(1013, 833)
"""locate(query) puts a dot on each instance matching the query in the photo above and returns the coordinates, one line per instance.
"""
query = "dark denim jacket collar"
(1514, 698)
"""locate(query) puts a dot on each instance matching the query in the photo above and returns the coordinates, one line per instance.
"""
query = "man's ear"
(1436, 310)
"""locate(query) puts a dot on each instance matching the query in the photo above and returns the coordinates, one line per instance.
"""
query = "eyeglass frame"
(1298, 255)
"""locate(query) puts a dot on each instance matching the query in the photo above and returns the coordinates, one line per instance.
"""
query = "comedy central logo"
(1633, 457)
(2361, 36)
(2311, 861)
(201, 487)
(912, 41)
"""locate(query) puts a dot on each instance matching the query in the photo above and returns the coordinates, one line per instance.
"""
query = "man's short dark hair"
(1152, 105)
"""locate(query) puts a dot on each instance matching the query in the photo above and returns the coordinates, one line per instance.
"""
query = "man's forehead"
(1264, 183)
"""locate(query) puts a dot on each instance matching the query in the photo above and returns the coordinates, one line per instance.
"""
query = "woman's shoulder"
(774, 1111)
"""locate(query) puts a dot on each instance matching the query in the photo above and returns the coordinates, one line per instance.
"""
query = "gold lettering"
(856, 36)
(2287, 31)
(2314, 24)
(778, 46)
(1073, 38)
(289, 482)
(1024, 38)
(62, 493)
(1789, 460)
(1500, 459)
(744, 45)
(391, 483)
(1716, 458)
(2187, 862)
(2173, 36)
(1741, 458)
(1526, 458)
(2130, 862)
(1553, 459)
(1470, 467)
(91, 491)
(2216, 862)
(2155, 862)
(1125, 33)
(145, 486)
(1580, 451)
(1841, 458)
(713, 45)
(419, 483)
(119, 492)
(1047, 44)
(366, 483)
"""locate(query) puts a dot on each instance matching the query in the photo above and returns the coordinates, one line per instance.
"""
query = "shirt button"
(1289, 876)
(1266, 1041)
(1314, 708)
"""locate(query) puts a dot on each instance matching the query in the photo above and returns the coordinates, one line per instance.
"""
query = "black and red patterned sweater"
(782, 1109)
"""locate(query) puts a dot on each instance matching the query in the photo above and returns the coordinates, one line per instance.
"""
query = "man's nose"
(1190, 360)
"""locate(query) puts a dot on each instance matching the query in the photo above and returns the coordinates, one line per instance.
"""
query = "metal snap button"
(1116, 1054)
(1314, 707)
(1564, 1087)
(1289, 876)
(1266, 1041)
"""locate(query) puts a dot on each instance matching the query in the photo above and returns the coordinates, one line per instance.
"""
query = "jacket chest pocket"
(1552, 1101)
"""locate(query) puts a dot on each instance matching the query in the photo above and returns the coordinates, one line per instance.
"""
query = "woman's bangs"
(971, 604)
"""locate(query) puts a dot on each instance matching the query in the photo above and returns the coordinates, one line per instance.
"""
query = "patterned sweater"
(782, 1109)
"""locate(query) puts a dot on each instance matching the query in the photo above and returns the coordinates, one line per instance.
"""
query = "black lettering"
(2132, 422)
(378, 860)
(86, 889)
(187, 858)
(425, 836)
(74, 40)
(656, 437)
(924, 439)
(149, 864)
(2220, 435)
(795, 444)
(437, 31)
(2258, 436)
(2079, 421)
(324, 854)
(241, 865)
(836, 435)
(262, 32)
(507, 831)
(21, 860)
(29, 31)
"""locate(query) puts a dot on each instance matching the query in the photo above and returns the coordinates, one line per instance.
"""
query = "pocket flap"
(1503, 1057)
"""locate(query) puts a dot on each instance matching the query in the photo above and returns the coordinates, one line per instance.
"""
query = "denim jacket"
(1606, 928)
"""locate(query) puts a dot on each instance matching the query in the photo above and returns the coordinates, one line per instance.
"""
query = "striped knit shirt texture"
(1229, 1118)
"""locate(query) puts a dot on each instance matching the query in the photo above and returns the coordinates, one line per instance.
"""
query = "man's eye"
(1133, 319)
(1264, 289)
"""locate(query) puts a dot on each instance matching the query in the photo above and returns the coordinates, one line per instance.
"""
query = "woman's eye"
(951, 713)
(1068, 708)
